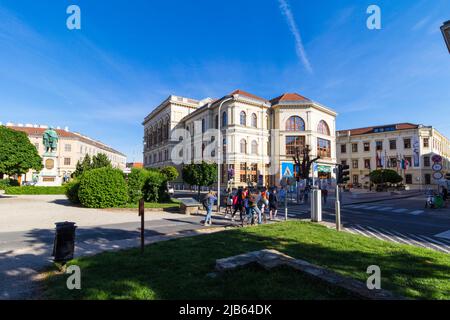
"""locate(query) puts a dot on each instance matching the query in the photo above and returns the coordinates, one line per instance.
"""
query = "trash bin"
(64, 244)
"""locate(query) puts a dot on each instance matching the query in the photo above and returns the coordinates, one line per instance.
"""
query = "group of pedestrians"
(251, 202)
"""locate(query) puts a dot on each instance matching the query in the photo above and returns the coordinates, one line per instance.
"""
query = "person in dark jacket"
(273, 204)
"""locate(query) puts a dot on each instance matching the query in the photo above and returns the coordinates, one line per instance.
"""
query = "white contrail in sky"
(286, 10)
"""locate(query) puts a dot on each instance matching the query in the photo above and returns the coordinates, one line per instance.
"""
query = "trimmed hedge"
(34, 190)
(103, 188)
(72, 191)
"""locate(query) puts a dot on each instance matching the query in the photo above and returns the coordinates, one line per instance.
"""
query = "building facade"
(259, 137)
(72, 147)
(407, 148)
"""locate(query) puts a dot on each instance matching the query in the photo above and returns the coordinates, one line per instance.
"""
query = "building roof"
(288, 97)
(391, 127)
(246, 94)
(32, 131)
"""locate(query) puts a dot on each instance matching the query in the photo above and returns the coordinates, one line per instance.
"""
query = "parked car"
(170, 190)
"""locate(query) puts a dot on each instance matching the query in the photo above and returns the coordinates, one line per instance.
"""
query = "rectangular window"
(408, 179)
(67, 161)
(379, 145)
(393, 144)
(407, 143)
(355, 179)
(366, 146)
(426, 142)
(323, 148)
(343, 148)
(294, 144)
(367, 163)
(344, 162)
(67, 147)
(426, 161)
(393, 162)
(355, 164)
(427, 178)
(409, 160)
(354, 147)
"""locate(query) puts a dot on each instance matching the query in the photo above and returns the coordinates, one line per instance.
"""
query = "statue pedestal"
(48, 177)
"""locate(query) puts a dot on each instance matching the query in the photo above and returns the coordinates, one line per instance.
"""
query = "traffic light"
(445, 28)
(342, 173)
(447, 176)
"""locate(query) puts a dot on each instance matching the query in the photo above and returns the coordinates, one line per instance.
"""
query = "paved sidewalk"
(27, 233)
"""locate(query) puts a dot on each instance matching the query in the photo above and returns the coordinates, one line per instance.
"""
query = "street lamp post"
(445, 28)
(219, 147)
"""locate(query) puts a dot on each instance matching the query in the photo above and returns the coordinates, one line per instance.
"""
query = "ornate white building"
(259, 136)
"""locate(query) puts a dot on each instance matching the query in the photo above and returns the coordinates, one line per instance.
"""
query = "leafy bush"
(154, 187)
(103, 188)
(136, 182)
(35, 190)
(71, 191)
(4, 183)
(170, 172)
(384, 176)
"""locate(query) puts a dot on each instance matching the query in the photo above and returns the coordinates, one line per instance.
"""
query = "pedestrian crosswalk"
(384, 209)
(430, 242)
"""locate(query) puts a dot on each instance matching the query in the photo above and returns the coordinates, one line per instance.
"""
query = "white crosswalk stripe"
(416, 212)
(397, 237)
(385, 209)
(401, 210)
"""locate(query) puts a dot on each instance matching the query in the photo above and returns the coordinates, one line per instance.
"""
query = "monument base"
(48, 177)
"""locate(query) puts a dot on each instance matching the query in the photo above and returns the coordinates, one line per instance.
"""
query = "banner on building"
(416, 151)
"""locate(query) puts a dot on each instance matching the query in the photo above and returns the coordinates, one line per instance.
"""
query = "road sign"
(437, 166)
(438, 175)
(436, 158)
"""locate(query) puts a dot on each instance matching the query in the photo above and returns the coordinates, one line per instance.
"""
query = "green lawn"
(177, 269)
(34, 190)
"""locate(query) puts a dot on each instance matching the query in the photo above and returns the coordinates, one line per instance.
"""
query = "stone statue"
(50, 140)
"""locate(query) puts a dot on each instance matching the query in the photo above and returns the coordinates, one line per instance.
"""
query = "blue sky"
(104, 79)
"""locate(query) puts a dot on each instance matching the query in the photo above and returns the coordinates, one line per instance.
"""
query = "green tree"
(154, 188)
(170, 172)
(383, 176)
(83, 166)
(100, 161)
(200, 174)
(17, 153)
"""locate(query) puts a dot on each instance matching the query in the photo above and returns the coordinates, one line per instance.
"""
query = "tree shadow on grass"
(178, 269)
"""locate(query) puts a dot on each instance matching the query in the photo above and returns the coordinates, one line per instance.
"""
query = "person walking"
(273, 204)
(238, 204)
(209, 201)
(324, 194)
(264, 202)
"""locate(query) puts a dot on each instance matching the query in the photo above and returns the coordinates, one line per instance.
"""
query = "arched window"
(295, 123)
(224, 119)
(243, 119)
(203, 126)
(254, 120)
(216, 122)
(323, 128)
(243, 146)
(254, 147)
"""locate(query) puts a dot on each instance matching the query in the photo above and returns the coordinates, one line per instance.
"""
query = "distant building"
(257, 134)
(135, 165)
(72, 146)
(390, 146)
